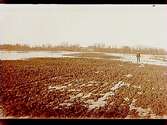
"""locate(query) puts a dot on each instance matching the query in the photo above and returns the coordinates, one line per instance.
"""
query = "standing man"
(138, 57)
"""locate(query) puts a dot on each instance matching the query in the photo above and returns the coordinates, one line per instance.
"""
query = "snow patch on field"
(98, 72)
(71, 90)
(86, 96)
(89, 85)
(76, 96)
(74, 90)
(66, 104)
(56, 87)
(142, 112)
(102, 100)
(69, 84)
(126, 99)
(119, 84)
(53, 78)
(139, 93)
(129, 75)
(137, 87)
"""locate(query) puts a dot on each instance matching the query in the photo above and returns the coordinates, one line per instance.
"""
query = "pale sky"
(118, 25)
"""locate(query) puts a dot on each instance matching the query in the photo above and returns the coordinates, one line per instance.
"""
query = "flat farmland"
(82, 88)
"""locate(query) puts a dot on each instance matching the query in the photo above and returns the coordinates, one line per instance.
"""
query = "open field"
(82, 88)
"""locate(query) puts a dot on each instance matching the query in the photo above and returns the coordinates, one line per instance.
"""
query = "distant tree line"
(98, 47)
(48, 47)
(101, 47)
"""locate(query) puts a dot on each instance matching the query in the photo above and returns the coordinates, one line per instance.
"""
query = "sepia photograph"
(93, 61)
